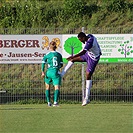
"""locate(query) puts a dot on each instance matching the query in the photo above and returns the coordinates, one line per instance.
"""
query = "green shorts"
(52, 77)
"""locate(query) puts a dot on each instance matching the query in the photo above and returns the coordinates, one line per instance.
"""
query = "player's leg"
(56, 83)
(89, 72)
(47, 93)
(69, 65)
(91, 65)
(47, 89)
(88, 88)
(56, 95)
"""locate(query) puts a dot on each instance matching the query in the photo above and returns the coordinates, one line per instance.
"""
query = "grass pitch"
(68, 118)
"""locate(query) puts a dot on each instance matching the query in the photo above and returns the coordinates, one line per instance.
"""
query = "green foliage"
(71, 14)
(130, 14)
(117, 6)
(74, 8)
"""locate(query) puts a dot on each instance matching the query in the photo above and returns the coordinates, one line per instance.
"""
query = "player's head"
(82, 37)
(52, 45)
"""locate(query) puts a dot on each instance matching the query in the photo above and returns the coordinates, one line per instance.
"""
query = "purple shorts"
(91, 64)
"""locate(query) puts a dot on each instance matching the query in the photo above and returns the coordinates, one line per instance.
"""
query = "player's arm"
(79, 54)
(88, 46)
(61, 62)
(43, 67)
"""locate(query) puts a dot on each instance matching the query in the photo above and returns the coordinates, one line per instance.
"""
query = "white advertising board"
(31, 48)
(25, 48)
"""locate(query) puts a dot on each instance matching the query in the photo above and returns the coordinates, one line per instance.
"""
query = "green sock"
(47, 93)
(56, 95)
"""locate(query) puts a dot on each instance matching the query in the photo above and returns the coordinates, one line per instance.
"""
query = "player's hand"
(63, 78)
(43, 74)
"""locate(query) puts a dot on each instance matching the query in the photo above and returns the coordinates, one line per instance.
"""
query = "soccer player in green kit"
(52, 75)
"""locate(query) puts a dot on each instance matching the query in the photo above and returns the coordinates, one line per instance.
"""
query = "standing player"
(54, 61)
(90, 54)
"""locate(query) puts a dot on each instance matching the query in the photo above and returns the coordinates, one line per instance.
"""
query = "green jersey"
(54, 61)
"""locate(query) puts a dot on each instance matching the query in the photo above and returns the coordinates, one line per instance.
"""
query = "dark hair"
(81, 34)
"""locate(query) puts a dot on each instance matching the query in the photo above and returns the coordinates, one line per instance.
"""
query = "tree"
(72, 45)
(125, 48)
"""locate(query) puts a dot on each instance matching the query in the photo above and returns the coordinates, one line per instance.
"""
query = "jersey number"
(55, 63)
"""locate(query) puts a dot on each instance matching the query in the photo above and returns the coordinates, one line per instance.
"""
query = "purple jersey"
(93, 53)
(92, 47)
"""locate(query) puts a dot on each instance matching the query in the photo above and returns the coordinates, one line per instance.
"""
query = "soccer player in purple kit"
(90, 54)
